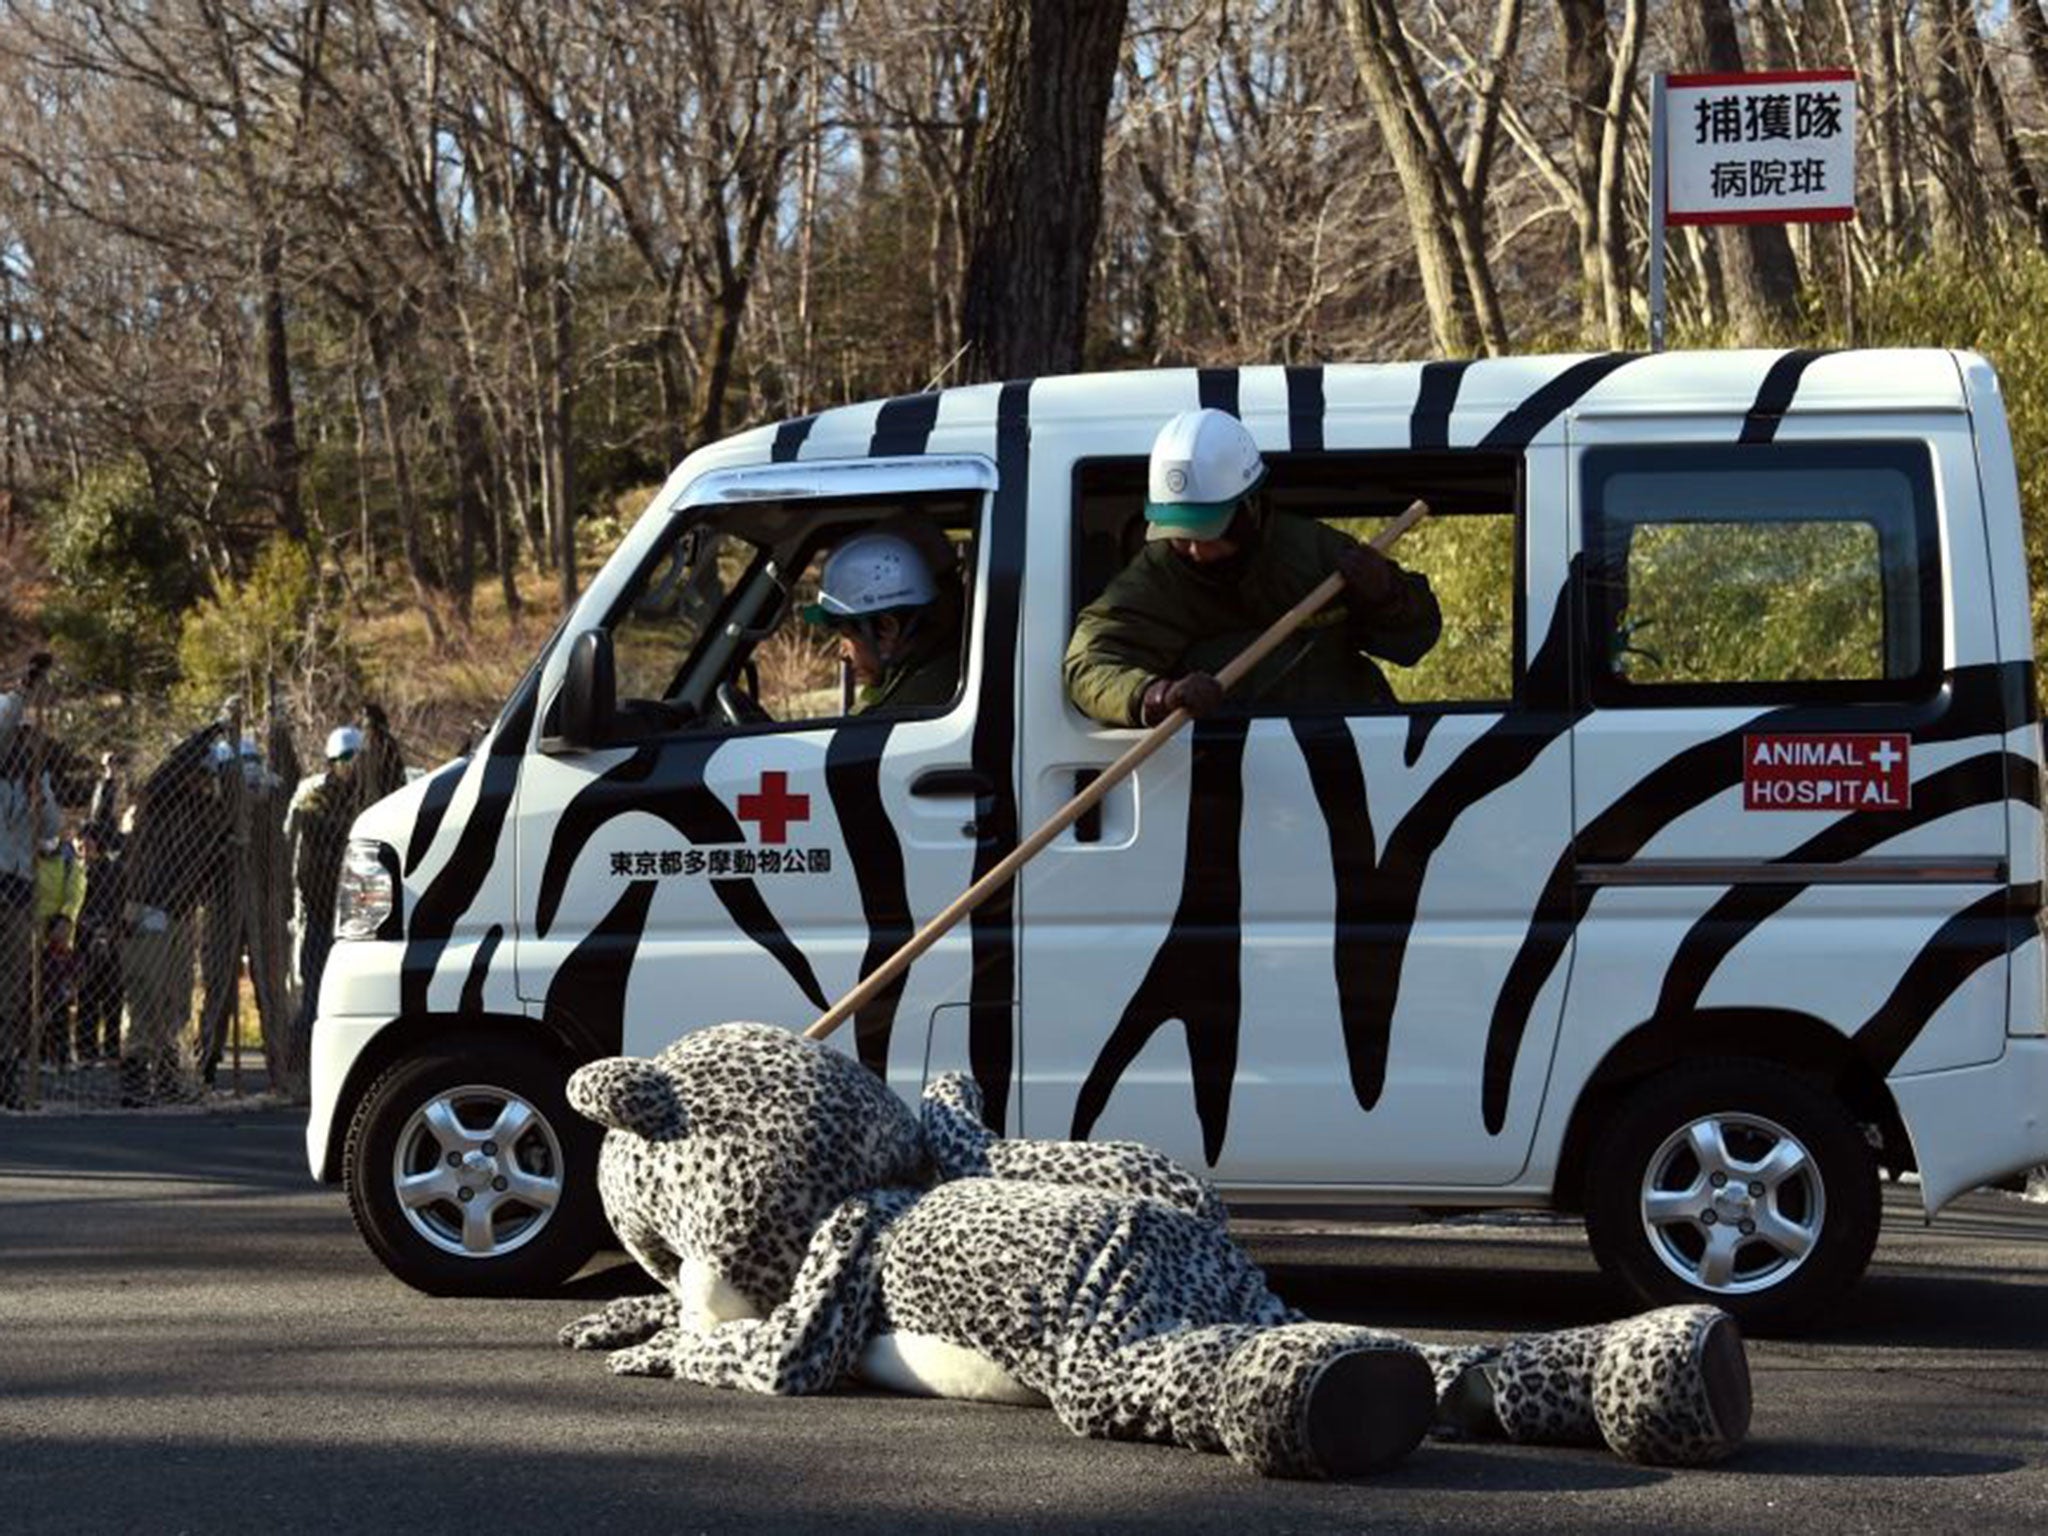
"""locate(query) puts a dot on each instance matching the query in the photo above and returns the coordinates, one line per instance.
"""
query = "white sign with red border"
(1777, 147)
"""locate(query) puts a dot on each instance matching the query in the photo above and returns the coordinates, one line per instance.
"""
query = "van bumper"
(1973, 1125)
(338, 1040)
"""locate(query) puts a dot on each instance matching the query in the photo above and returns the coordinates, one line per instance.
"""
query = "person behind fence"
(28, 816)
(109, 789)
(60, 895)
(380, 769)
(97, 1028)
(323, 806)
(179, 836)
(59, 988)
(220, 922)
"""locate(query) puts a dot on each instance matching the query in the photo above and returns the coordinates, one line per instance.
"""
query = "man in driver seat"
(898, 628)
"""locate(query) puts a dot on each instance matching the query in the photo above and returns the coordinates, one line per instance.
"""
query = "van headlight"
(366, 900)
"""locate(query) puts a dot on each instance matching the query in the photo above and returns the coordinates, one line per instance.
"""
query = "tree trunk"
(559, 427)
(2026, 191)
(473, 474)
(1614, 272)
(2034, 33)
(1036, 199)
(401, 475)
(1582, 28)
(280, 431)
(1756, 259)
(1453, 325)
(1958, 187)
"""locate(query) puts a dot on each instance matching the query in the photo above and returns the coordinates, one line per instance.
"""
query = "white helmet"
(871, 573)
(343, 742)
(220, 754)
(1203, 463)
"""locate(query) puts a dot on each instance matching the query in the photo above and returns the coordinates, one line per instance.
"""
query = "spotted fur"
(1099, 1275)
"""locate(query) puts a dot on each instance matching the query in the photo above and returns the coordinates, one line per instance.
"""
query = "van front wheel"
(1736, 1183)
(469, 1175)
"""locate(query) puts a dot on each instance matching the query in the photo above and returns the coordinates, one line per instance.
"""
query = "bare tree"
(1762, 277)
(1037, 191)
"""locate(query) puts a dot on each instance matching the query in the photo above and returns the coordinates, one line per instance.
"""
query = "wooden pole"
(1232, 673)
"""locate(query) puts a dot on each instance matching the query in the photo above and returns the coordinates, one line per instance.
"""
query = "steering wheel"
(736, 707)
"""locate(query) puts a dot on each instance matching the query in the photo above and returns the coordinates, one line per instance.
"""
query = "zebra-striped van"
(1694, 877)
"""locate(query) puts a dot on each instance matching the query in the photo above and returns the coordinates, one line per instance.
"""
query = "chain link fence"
(167, 888)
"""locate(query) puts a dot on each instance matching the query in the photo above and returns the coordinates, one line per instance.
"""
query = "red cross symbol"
(775, 808)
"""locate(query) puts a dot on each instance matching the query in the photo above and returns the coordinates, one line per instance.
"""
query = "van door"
(1791, 779)
(1283, 953)
(749, 847)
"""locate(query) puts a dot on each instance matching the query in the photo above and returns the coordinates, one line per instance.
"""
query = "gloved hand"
(1368, 573)
(1198, 693)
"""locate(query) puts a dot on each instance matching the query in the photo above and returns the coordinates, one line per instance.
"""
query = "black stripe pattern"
(1429, 425)
(440, 790)
(666, 780)
(789, 439)
(1194, 977)
(992, 930)
(455, 885)
(904, 425)
(1774, 396)
(853, 778)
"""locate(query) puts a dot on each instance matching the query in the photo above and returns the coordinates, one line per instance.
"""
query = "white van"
(1696, 874)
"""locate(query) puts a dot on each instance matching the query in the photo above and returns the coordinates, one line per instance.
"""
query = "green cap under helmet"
(1203, 464)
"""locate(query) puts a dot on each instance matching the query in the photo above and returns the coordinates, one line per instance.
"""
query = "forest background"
(338, 338)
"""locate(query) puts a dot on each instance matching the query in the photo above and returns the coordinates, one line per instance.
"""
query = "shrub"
(273, 624)
(123, 571)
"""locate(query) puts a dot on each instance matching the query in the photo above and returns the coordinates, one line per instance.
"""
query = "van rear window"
(1761, 572)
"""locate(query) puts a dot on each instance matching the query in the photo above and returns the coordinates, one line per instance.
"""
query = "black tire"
(1810, 1232)
(521, 1246)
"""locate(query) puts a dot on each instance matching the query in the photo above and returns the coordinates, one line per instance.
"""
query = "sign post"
(1775, 147)
(1659, 154)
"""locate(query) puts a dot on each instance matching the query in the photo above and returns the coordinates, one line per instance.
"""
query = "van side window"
(724, 627)
(1760, 572)
(1469, 548)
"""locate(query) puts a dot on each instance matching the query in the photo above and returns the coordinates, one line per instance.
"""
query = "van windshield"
(677, 600)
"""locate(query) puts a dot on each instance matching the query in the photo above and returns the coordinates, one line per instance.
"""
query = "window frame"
(1912, 458)
(1512, 462)
(820, 520)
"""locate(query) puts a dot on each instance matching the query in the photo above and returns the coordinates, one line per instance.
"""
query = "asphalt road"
(193, 1339)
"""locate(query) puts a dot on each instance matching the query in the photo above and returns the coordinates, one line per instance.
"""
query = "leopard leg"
(1669, 1387)
(1300, 1400)
(1672, 1388)
(628, 1320)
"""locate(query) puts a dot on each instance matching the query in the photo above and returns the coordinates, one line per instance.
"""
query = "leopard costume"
(806, 1227)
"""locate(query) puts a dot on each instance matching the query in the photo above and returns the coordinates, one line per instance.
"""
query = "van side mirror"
(589, 692)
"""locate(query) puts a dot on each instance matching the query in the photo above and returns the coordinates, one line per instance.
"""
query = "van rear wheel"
(469, 1175)
(1737, 1183)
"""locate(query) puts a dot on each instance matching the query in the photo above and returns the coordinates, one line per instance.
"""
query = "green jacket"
(929, 676)
(1164, 616)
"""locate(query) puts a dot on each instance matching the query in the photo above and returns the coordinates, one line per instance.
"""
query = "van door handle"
(1088, 825)
(952, 783)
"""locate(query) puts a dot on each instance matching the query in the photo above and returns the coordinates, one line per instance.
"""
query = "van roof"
(1516, 400)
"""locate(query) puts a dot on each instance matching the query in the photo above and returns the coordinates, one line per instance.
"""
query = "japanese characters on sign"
(719, 863)
(1776, 147)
